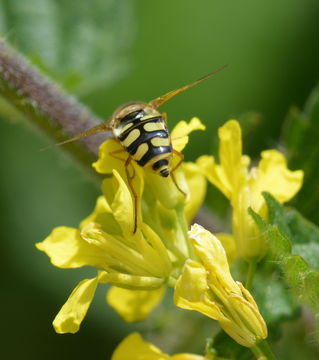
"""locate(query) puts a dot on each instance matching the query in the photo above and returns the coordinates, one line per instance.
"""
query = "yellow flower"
(208, 287)
(139, 265)
(133, 347)
(162, 205)
(161, 189)
(244, 187)
(134, 305)
(136, 261)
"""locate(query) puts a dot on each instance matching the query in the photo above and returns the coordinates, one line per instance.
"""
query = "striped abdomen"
(147, 140)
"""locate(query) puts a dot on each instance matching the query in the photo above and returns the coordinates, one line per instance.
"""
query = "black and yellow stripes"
(146, 139)
(161, 167)
(142, 131)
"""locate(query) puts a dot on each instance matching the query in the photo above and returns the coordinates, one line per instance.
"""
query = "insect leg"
(129, 179)
(111, 153)
(181, 158)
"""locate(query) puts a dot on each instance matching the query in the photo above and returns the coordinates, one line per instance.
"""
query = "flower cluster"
(244, 187)
(207, 286)
(139, 265)
(162, 251)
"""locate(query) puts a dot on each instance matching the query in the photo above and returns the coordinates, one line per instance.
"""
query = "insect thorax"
(143, 133)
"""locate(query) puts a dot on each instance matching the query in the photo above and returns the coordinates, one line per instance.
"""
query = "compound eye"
(135, 115)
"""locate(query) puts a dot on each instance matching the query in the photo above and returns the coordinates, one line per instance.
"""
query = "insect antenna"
(94, 130)
(162, 99)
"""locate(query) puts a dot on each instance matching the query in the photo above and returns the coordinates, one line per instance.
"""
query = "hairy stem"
(46, 105)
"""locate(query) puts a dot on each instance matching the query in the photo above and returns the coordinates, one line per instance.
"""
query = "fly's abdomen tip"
(164, 172)
(161, 167)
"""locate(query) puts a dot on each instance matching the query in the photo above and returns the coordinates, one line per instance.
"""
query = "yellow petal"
(229, 244)
(230, 153)
(214, 174)
(66, 249)
(133, 347)
(209, 288)
(106, 162)
(117, 253)
(74, 310)
(118, 192)
(272, 175)
(164, 189)
(181, 131)
(134, 305)
(212, 255)
(249, 241)
(122, 205)
(191, 288)
(132, 282)
(154, 252)
(188, 357)
(101, 207)
(230, 147)
(231, 174)
(197, 189)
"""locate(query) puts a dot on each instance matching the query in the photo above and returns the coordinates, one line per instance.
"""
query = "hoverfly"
(142, 131)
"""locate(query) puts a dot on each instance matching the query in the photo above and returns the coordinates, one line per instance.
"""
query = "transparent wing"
(162, 99)
(103, 127)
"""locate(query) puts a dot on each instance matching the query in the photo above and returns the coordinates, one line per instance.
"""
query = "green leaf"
(301, 229)
(276, 214)
(82, 44)
(304, 235)
(280, 245)
(275, 303)
(309, 252)
(302, 279)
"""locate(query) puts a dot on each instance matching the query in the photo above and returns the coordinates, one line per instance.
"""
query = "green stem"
(252, 266)
(171, 281)
(46, 105)
(262, 351)
(266, 349)
(257, 352)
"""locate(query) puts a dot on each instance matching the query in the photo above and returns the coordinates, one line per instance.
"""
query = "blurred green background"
(108, 52)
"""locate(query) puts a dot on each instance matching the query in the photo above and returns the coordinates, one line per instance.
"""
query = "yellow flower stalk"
(244, 187)
(139, 265)
(133, 347)
(207, 286)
